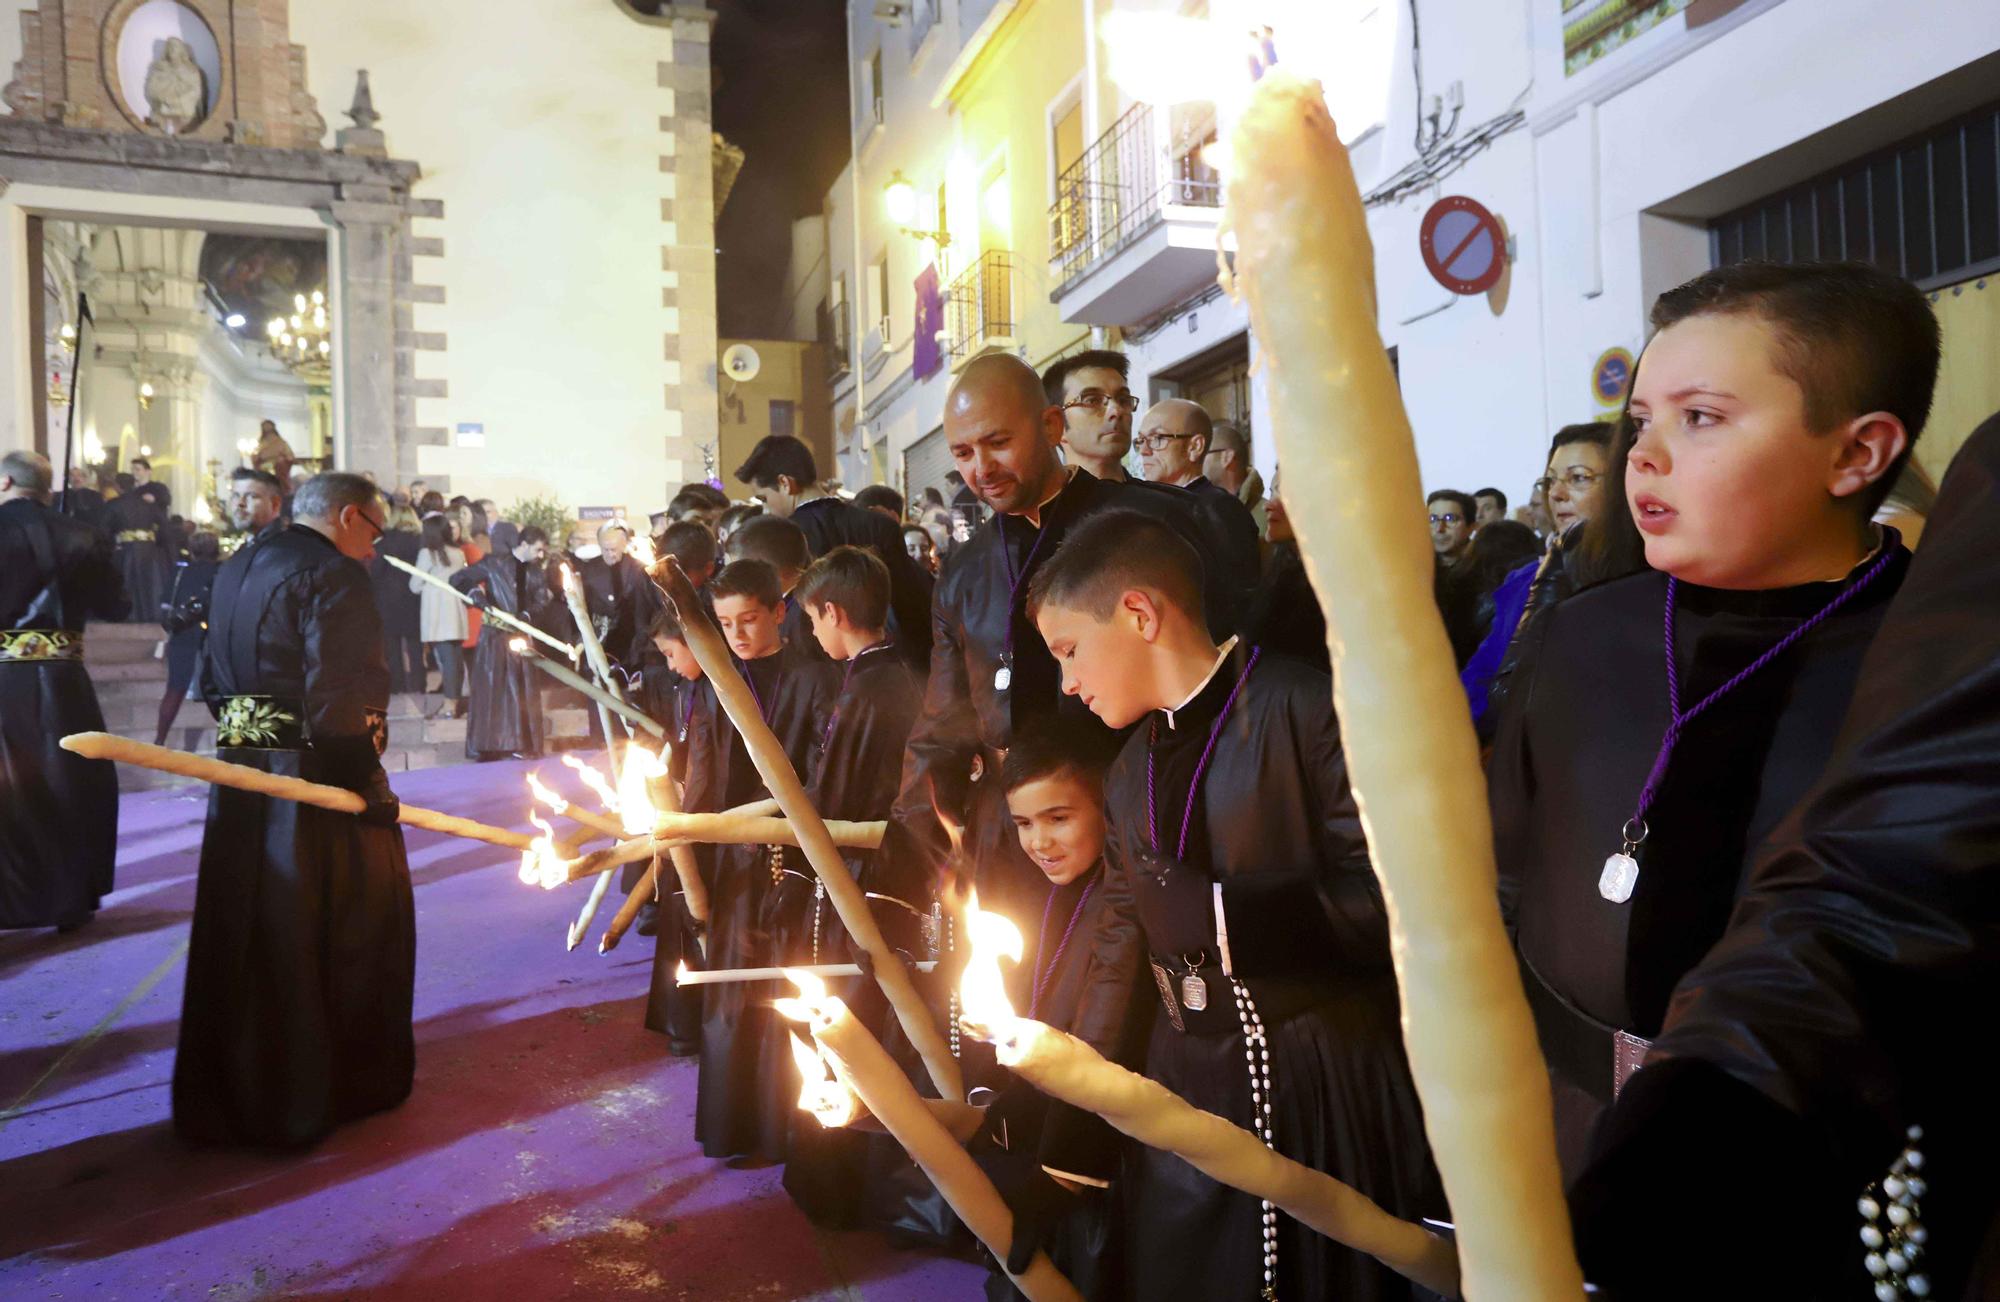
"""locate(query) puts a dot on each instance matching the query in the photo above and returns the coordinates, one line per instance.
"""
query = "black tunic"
(671, 1009)
(137, 522)
(1233, 531)
(301, 964)
(748, 1087)
(58, 811)
(828, 522)
(1582, 724)
(1847, 998)
(966, 716)
(1275, 826)
(506, 714)
(622, 602)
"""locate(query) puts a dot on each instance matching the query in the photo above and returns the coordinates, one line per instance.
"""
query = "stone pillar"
(687, 214)
(370, 233)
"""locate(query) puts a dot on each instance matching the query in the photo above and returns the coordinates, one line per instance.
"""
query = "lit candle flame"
(598, 783)
(541, 864)
(544, 796)
(640, 549)
(982, 991)
(635, 805)
(518, 645)
(812, 994)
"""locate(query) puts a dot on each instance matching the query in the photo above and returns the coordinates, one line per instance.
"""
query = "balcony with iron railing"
(1132, 228)
(979, 308)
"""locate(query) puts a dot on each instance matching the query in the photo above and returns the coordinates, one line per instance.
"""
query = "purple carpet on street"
(547, 1152)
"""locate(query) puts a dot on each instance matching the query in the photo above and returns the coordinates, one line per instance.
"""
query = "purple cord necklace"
(1621, 870)
(1054, 960)
(1200, 768)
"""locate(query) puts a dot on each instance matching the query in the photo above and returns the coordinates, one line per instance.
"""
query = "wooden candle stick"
(719, 829)
(221, 773)
(783, 783)
(600, 664)
(865, 1067)
(500, 617)
(1306, 268)
(570, 678)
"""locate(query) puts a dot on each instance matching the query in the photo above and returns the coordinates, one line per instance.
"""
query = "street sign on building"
(1463, 245)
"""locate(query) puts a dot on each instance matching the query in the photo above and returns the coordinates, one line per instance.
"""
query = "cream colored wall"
(538, 124)
(1002, 111)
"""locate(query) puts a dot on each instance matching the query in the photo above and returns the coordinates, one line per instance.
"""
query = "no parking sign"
(1611, 377)
(1463, 245)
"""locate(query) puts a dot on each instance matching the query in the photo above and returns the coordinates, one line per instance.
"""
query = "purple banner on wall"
(926, 355)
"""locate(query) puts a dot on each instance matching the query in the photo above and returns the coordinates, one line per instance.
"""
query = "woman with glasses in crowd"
(1578, 458)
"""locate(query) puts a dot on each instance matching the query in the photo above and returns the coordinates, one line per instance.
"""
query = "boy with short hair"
(748, 1088)
(854, 774)
(668, 693)
(780, 543)
(1053, 777)
(1236, 871)
(1769, 415)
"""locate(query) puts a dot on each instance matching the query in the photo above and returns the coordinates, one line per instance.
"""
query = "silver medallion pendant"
(1194, 992)
(1620, 876)
(1003, 678)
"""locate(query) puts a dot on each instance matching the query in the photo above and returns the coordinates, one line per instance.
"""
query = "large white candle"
(1306, 267)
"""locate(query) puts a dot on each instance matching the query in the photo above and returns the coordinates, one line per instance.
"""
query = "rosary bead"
(1886, 1292)
(1897, 1261)
(1893, 1186)
(1871, 1237)
(1875, 1264)
(1916, 1160)
(1915, 1184)
(1868, 1208)
(1914, 1133)
(1919, 1285)
(1917, 1234)
(1899, 1215)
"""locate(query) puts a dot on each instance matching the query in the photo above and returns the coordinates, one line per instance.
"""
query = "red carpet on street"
(547, 1152)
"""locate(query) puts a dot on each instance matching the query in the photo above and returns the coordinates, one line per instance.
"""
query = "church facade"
(441, 241)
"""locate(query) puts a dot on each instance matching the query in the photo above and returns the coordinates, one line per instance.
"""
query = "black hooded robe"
(58, 811)
(1578, 735)
(748, 1086)
(1275, 825)
(506, 715)
(302, 961)
(829, 522)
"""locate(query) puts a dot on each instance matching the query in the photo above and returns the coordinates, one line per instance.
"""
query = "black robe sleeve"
(347, 676)
(937, 764)
(1840, 1005)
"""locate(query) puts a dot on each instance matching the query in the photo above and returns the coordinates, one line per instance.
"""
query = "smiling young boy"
(747, 1090)
(1053, 777)
(1241, 906)
(1661, 724)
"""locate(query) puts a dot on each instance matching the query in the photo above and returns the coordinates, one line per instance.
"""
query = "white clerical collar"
(1069, 473)
(1221, 655)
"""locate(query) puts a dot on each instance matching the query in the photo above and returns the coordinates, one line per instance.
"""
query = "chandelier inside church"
(303, 340)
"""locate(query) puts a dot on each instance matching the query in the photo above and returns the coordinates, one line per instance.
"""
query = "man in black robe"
(990, 671)
(506, 715)
(58, 811)
(1243, 925)
(302, 959)
(137, 521)
(786, 479)
(1836, 1010)
(748, 1089)
(620, 598)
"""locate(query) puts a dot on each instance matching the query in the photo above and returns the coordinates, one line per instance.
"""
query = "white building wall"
(542, 128)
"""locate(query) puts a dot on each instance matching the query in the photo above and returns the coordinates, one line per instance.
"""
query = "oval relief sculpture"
(166, 66)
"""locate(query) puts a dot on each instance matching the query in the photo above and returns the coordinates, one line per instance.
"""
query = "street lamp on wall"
(899, 197)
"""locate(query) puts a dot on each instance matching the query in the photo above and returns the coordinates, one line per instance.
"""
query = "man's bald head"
(1173, 439)
(1002, 434)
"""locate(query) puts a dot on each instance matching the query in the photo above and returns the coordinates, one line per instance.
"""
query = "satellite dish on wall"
(741, 363)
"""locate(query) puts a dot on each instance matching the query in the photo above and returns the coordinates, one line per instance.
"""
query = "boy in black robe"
(58, 811)
(1769, 416)
(780, 544)
(1243, 926)
(670, 691)
(1054, 780)
(748, 1087)
(301, 964)
(136, 519)
(856, 760)
(1831, 1016)
(506, 715)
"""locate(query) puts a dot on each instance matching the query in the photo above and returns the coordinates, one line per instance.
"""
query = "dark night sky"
(781, 97)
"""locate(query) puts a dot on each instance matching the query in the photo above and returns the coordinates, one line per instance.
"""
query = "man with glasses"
(1451, 516)
(1173, 443)
(1091, 390)
(315, 903)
